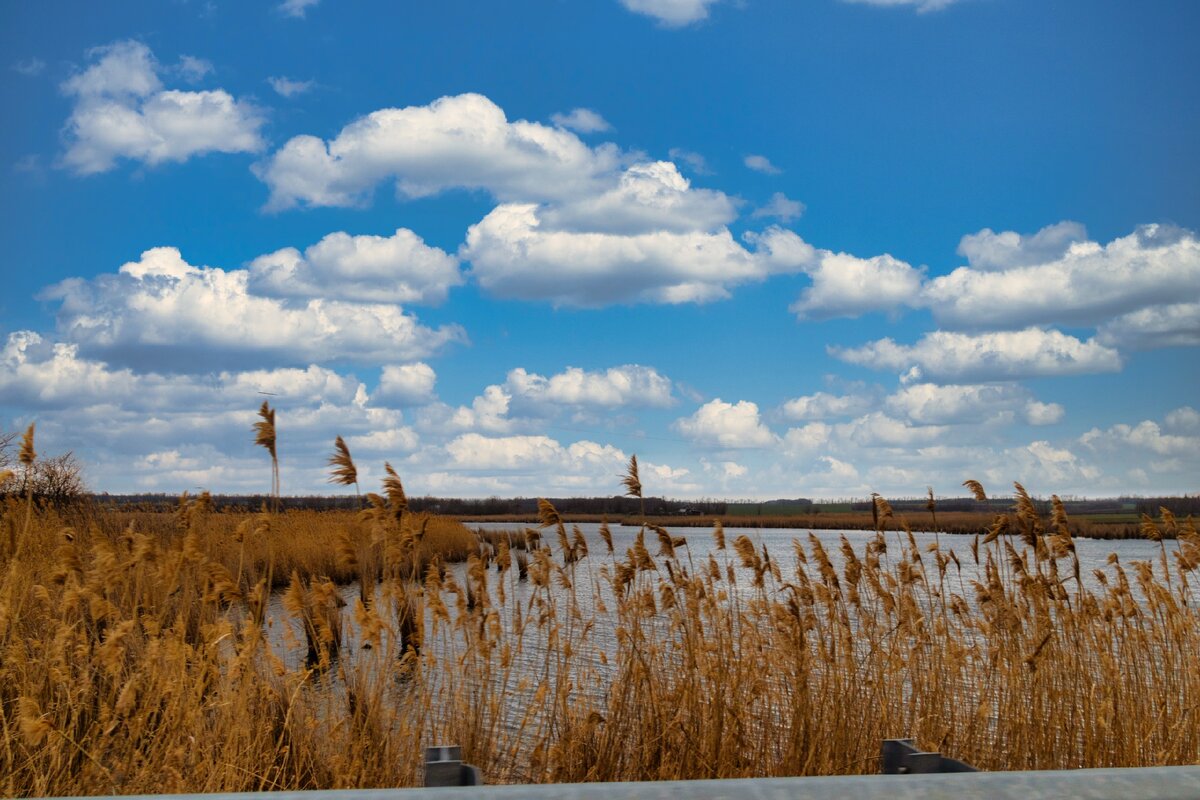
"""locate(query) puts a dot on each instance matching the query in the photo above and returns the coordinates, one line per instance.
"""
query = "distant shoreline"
(1108, 526)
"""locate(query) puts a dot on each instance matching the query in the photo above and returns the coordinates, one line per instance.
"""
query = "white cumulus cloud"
(122, 111)
(1030, 282)
(513, 256)
(1146, 436)
(464, 141)
(822, 405)
(1171, 325)
(672, 13)
(390, 440)
(646, 198)
(728, 425)
(576, 225)
(630, 385)
(161, 311)
(847, 286)
(1184, 419)
(403, 385)
(933, 404)
(399, 268)
(877, 429)
(487, 412)
(1050, 465)
(1039, 413)
(474, 451)
(45, 375)
(807, 440)
(988, 250)
(1005, 355)
(582, 120)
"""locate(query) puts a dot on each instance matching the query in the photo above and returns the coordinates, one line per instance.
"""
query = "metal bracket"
(901, 757)
(444, 767)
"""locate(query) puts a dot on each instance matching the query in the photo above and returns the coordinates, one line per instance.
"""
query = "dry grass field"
(143, 653)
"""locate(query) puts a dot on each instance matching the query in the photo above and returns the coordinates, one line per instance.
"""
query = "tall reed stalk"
(264, 436)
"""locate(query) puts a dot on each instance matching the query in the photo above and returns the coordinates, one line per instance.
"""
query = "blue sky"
(777, 249)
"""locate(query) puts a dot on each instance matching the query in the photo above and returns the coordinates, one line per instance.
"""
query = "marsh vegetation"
(202, 651)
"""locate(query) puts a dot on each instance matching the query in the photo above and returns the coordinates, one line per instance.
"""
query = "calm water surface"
(591, 630)
(1093, 555)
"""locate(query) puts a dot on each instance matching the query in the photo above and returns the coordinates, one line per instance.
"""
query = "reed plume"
(630, 480)
(394, 489)
(344, 473)
(27, 455)
(605, 533)
(881, 511)
(548, 515)
(633, 483)
(976, 489)
(264, 436)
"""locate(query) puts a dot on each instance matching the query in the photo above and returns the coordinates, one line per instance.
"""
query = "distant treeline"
(1179, 506)
(661, 506)
(451, 506)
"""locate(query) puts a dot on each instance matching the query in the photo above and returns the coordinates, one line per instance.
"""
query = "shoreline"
(952, 523)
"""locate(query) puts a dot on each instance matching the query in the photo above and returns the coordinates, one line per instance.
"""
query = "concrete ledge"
(1152, 783)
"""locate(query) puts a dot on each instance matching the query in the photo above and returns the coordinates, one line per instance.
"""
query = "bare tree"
(56, 480)
(7, 443)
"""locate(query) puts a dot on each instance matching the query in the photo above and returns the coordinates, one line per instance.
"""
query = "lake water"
(1093, 555)
(586, 617)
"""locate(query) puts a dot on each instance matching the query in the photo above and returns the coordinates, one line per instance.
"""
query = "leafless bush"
(54, 480)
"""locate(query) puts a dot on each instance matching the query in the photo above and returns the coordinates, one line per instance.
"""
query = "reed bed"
(307, 542)
(142, 659)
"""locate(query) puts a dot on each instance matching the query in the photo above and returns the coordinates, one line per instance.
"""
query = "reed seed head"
(631, 481)
(344, 473)
(976, 489)
(394, 489)
(264, 429)
(548, 515)
(27, 455)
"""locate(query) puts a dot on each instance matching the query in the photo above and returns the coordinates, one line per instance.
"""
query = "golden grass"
(143, 654)
(310, 543)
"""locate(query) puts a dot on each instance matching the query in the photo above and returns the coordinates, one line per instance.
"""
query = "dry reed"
(138, 657)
